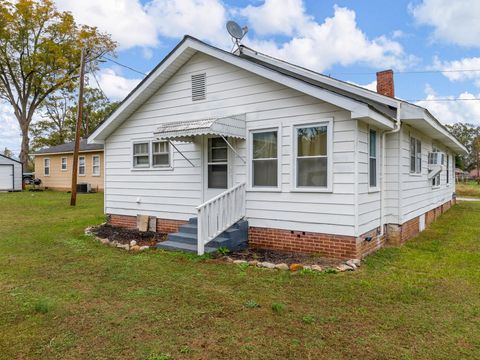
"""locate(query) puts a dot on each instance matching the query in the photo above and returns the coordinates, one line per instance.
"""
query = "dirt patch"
(124, 236)
(277, 257)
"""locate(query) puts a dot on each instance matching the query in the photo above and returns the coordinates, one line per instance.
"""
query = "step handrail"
(219, 213)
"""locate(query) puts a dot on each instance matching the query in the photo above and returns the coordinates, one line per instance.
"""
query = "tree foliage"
(40, 55)
(468, 135)
(59, 116)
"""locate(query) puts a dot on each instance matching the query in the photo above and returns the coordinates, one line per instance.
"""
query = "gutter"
(398, 126)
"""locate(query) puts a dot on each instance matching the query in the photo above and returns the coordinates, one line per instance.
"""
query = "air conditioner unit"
(84, 188)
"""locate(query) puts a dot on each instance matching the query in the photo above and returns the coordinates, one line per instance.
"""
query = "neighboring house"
(10, 174)
(53, 166)
(474, 173)
(313, 163)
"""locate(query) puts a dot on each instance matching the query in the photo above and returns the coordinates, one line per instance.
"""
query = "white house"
(11, 173)
(313, 164)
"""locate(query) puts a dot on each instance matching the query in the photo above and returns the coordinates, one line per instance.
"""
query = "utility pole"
(73, 199)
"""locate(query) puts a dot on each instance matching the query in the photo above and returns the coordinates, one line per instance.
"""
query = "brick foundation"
(327, 245)
(130, 222)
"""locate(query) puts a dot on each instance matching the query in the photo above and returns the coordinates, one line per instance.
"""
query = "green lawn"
(65, 296)
(470, 189)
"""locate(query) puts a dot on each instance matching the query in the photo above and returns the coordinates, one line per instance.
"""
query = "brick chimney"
(385, 83)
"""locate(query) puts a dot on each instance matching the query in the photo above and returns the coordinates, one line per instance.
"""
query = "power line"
(92, 71)
(445, 99)
(125, 66)
(409, 72)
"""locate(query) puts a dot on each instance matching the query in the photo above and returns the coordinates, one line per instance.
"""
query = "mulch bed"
(124, 236)
(277, 257)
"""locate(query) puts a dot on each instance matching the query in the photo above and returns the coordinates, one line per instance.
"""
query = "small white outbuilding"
(10, 174)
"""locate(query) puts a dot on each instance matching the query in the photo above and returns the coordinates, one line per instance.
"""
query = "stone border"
(129, 247)
(349, 265)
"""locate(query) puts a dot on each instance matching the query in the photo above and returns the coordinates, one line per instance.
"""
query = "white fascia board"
(136, 96)
(323, 78)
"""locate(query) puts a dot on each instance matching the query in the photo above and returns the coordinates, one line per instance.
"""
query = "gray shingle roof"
(68, 147)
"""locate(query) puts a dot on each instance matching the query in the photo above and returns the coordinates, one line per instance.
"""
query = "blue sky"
(340, 38)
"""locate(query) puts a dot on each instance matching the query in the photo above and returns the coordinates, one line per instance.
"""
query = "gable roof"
(9, 158)
(362, 103)
(68, 148)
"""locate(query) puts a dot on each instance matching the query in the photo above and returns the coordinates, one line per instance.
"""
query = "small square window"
(160, 154)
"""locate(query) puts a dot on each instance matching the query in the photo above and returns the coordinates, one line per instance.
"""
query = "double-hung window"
(448, 169)
(64, 164)
(46, 167)
(81, 165)
(436, 178)
(265, 158)
(141, 155)
(160, 154)
(96, 165)
(415, 156)
(372, 161)
(311, 156)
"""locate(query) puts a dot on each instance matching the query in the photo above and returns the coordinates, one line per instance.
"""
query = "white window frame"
(149, 152)
(377, 157)
(251, 187)
(418, 156)
(433, 182)
(45, 167)
(447, 168)
(93, 165)
(169, 153)
(61, 163)
(329, 124)
(150, 166)
(84, 165)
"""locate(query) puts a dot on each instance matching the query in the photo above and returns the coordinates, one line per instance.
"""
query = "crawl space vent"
(199, 90)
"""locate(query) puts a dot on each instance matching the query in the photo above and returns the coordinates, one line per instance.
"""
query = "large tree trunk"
(25, 149)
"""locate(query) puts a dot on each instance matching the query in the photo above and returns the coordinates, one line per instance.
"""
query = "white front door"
(6, 177)
(216, 170)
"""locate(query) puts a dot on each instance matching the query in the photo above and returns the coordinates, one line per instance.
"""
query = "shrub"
(223, 250)
(308, 319)
(278, 308)
(251, 304)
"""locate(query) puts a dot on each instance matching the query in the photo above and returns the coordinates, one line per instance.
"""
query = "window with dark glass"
(372, 153)
(265, 158)
(311, 156)
(141, 155)
(415, 156)
(160, 154)
(217, 163)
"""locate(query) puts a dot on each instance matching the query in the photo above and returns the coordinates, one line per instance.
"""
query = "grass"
(65, 296)
(470, 189)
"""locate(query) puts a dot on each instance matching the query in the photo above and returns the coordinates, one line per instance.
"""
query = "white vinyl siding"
(96, 165)
(81, 165)
(175, 194)
(7, 166)
(46, 167)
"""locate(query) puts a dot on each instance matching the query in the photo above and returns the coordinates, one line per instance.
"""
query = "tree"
(8, 153)
(40, 55)
(466, 134)
(59, 115)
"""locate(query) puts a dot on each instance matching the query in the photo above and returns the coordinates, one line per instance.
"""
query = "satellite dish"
(235, 30)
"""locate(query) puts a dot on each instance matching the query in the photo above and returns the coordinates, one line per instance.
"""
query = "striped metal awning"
(232, 126)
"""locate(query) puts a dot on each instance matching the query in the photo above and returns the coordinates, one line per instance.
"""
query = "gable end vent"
(199, 83)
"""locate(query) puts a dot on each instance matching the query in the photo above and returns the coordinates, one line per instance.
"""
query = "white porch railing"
(218, 214)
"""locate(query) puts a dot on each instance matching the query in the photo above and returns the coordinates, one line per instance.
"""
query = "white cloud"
(464, 66)
(9, 129)
(115, 86)
(126, 20)
(204, 19)
(453, 21)
(337, 40)
(370, 86)
(276, 16)
(450, 112)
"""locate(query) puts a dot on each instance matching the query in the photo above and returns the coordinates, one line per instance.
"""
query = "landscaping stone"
(240, 261)
(253, 262)
(351, 264)
(105, 241)
(357, 262)
(135, 248)
(113, 243)
(133, 243)
(307, 267)
(296, 267)
(123, 246)
(317, 268)
(144, 248)
(281, 266)
(344, 267)
(267, 265)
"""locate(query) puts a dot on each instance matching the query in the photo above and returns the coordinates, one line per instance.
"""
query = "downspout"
(398, 126)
